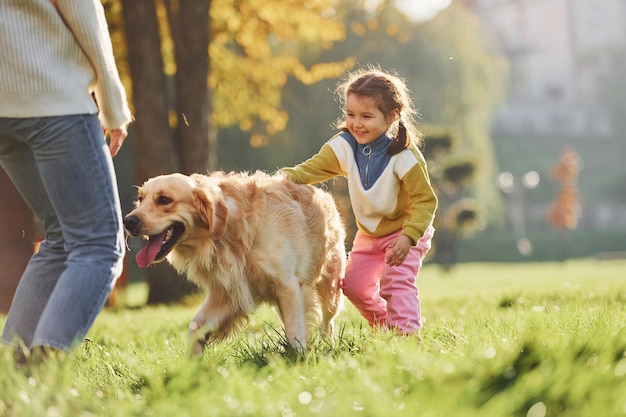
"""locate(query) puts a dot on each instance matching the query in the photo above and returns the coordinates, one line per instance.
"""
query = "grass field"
(530, 340)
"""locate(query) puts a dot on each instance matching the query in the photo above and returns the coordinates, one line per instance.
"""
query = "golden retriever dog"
(246, 239)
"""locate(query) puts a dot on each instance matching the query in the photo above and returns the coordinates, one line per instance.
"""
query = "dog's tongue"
(148, 253)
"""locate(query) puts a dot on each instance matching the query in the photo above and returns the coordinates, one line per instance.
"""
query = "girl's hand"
(116, 139)
(397, 252)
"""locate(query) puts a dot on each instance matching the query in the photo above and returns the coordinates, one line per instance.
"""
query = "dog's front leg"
(205, 322)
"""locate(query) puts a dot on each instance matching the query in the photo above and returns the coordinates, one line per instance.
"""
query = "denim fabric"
(371, 159)
(63, 169)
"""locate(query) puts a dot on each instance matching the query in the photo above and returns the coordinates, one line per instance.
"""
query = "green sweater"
(400, 198)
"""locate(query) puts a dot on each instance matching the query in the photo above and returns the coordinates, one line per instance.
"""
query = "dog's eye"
(163, 201)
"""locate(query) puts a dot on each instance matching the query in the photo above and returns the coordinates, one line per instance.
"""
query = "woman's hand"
(116, 139)
(397, 252)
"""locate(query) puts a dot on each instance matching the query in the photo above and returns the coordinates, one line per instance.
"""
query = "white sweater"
(52, 60)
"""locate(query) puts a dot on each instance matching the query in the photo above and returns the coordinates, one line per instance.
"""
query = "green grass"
(528, 340)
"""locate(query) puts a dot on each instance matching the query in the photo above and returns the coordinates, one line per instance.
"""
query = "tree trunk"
(17, 234)
(189, 21)
(154, 150)
(152, 137)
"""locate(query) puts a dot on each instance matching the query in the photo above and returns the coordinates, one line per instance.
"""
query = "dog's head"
(173, 210)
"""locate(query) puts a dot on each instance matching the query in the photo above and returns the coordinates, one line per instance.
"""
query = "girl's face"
(364, 119)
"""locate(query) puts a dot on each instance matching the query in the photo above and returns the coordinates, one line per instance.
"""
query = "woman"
(59, 91)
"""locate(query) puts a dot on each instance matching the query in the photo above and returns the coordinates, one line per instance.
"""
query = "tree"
(451, 176)
(158, 146)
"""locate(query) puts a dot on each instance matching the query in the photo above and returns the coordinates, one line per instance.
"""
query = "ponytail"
(401, 140)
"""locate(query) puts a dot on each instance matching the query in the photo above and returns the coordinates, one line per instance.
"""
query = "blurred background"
(522, 107)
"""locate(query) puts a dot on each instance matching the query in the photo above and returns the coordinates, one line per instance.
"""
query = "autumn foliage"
(253, 52)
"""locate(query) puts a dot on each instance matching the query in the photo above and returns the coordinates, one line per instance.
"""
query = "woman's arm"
(87, 21)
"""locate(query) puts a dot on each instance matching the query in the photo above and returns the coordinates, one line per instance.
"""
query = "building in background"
(558, 51)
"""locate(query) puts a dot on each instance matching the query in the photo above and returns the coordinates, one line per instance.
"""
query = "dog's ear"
(197, 178)
(213, 212)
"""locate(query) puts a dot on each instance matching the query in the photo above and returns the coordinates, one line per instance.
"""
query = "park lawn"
(531, 340)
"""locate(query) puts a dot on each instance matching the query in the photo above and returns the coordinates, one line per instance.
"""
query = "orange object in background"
(117, 298)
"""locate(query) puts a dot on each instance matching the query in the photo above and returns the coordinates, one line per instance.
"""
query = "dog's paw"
(198, 337)
(195, 349)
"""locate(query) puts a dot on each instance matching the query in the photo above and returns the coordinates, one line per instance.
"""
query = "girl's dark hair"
(390, 94)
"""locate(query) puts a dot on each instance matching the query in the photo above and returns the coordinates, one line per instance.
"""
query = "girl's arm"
(422, 202)
(319, 168)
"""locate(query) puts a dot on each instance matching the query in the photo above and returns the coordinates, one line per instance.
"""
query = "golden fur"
(247, 239)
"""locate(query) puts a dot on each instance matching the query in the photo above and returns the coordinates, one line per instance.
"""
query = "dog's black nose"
(131, 223)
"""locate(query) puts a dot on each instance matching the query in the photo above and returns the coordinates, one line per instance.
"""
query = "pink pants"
(386, 296)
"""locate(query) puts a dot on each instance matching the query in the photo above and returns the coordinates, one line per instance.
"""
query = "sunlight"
(420, 10)
(417, 10)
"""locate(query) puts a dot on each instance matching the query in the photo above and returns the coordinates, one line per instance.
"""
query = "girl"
(392, 199)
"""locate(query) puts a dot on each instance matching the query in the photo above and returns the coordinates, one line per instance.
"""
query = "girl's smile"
(364, 119)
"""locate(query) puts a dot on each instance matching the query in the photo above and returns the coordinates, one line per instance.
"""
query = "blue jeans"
(63, 169)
